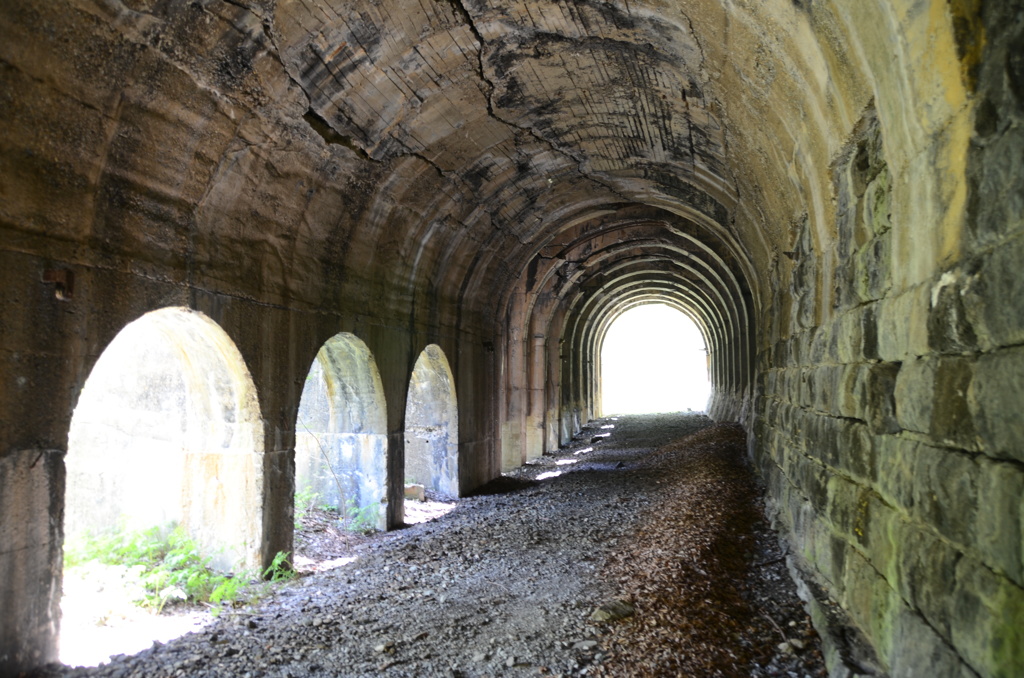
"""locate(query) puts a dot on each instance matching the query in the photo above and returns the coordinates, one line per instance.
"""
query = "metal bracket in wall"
(63, 280)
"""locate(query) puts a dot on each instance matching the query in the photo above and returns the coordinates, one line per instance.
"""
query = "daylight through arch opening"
(653, 359)
(165, 445)
(341, 436)
(432, 425)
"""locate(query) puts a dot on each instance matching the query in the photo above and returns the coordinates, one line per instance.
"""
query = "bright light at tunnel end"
(653, 359)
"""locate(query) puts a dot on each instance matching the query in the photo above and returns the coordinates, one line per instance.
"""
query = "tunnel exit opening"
(653, 359)
(164, 452)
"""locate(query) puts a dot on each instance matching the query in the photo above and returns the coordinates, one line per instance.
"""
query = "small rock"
(785, 647)
(585, 645)
(612, 611)
(510, 662)
(797, 643)
(480, 657)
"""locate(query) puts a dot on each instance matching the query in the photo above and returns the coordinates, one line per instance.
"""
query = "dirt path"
(507, 583)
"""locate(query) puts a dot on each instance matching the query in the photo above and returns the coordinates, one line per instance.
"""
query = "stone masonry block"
(834, 561)
(903, 324)
(998, 529)
(872, 603)
(31, 535)
(849, 400)
(807, 387)
(879, 395)
(915, 387)
(949, 326)
(986, 621)
(995, 398)
(952, 422)
(918, 651)
(847, 502)
(947, 492)
(812, 478)
(850, 337)
(815, 538)
(882, 532)
(873, 263)
(869, 332)
(835, 378)
(819, 341)
(994, 296)
(821, 435)
(793, 382)
(927, 568)
(857, 454)
(897, 465)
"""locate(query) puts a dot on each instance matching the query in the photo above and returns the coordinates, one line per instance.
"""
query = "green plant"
(361, 518)
(167, 561)
(304, 501)
(228, 591)
(280, 568)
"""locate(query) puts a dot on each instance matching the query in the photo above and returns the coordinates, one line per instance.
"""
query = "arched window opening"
(341, 441)
(166, 439)
(432, 425)
(653, 359)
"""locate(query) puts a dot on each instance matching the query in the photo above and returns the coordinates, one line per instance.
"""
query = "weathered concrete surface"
(31, 485)
(832, 188)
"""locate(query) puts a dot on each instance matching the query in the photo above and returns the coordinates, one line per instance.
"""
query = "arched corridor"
(830, 189)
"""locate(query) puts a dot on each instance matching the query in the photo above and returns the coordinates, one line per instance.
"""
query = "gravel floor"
(507, 583)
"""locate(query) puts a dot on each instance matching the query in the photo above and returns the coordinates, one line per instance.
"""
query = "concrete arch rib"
(170, 397)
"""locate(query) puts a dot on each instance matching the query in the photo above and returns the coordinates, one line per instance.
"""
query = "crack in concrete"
(328, 132)
(489, 98)
(332, 137)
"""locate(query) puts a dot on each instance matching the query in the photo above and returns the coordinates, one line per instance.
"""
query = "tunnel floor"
(639, 549)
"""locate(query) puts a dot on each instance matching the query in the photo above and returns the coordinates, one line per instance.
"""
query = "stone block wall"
(889, 426)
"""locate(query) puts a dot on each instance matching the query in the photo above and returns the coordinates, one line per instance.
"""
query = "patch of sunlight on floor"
(584, 450)
(303, 564)
(99, 618)
(566, 462)
(549, 474)
(423, 511)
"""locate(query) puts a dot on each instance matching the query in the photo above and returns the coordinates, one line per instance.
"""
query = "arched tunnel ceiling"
(444, 145)
(512, 125)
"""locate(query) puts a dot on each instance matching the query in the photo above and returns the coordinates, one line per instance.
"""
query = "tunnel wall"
(891, 376)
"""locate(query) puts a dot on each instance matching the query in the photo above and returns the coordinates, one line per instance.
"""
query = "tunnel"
(833, 190)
